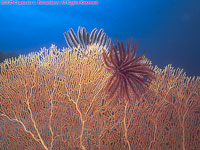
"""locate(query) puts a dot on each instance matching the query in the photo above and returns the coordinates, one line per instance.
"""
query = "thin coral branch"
(24, 127)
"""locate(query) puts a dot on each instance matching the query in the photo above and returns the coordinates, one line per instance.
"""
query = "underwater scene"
(100, 75)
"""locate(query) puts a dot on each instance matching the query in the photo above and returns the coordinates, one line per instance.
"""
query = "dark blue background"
(168, 30)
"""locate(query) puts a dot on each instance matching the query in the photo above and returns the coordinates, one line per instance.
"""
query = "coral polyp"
(128, 71)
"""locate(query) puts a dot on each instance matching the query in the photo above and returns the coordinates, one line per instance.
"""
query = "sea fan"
(128, 71)
(84, 39)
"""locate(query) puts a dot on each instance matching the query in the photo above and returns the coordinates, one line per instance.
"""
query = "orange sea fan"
(129, 72)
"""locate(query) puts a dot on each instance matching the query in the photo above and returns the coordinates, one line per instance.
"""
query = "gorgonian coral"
(128, 71)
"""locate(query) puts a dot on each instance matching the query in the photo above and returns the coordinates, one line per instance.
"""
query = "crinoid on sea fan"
(128, 71)
(83, 39)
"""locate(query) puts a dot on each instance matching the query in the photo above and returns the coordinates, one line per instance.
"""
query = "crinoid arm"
(84, 39)
(130, 74)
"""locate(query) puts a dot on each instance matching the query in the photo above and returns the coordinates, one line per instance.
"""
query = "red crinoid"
(130, 73)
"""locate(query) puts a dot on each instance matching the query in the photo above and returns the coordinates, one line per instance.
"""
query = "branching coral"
(55, 99)
(50, 96)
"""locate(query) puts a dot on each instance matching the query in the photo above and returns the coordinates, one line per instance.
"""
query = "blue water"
(168, 30)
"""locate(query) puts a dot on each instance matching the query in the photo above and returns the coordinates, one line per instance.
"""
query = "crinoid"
(128, 71)
(84, 39)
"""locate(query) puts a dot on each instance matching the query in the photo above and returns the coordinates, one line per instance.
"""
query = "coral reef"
(54, 99)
